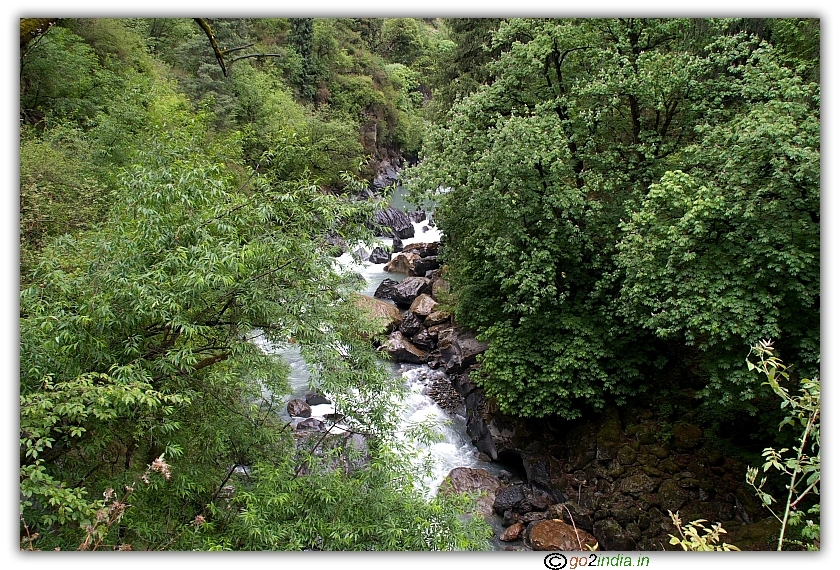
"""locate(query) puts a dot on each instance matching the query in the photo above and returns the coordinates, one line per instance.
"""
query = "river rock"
(411, 324)
(423, 249)
(417, 216)
(402, 262)
(459, 349)
(385, 314)
(423, 340)
(424, 266)
(386, 289)
(409, 289)
(396, 245)
(401, 350)
(309, 423)
(437, 318)
(360, 254)
(379, 255)
(557, 535)
(395, 220)
(423, 305)
(316, 400)
(471, 480)
(509, 499)
(513, 532)
(298, 408)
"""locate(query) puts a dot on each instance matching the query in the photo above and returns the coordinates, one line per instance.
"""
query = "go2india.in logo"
(557, 561)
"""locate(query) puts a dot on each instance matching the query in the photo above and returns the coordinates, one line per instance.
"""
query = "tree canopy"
(620, 185)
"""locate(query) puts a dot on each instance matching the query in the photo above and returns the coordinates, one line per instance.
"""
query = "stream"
(455, 449)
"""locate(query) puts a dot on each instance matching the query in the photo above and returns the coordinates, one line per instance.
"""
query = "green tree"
(302, 39)
(728, 252)
(137, 344)
(541, 173)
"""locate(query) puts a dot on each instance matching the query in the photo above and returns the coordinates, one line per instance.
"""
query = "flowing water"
(455, 448)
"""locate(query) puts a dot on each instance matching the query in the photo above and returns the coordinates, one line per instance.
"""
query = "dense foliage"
(170, 217)
(619, 187)
(620, 198)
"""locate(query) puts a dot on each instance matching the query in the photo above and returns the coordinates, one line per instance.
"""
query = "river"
(455, 449)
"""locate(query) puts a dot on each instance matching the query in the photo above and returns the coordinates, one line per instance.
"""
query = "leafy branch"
(801, 469)
(691, 539)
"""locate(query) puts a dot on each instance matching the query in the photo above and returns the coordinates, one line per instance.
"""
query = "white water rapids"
(455, 448)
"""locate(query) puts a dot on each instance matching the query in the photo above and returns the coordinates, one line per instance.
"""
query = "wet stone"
(512, 532)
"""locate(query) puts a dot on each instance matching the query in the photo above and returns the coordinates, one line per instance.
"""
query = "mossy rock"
(626, 455)
(687, 436)
(610, 435)
(761, 535)
(637, 484)
(670, 496)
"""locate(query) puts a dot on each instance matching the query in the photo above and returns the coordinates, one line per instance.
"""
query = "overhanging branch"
(221, 53)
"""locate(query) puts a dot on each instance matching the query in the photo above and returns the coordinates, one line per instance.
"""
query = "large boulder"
(386, 289)
(386, 315)
(411, 324)
(409, 289)
(437, 318)
(509, 499)
(520, 499)
(459, 349)
(423, 340)
(402, 262)
(297, 408)
(360, 254)
(470, 480)
(386, 175)
(316, 399)
(401, 350)
(423, 249)
(397, 222)
(556, 535)
(309, 423)
(423, 305)
(425, 265)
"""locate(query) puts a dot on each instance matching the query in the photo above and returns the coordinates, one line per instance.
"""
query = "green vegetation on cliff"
(172, 211)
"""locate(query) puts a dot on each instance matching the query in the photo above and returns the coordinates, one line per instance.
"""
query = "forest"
(629, 212)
